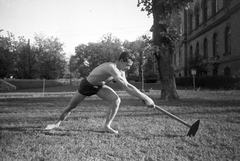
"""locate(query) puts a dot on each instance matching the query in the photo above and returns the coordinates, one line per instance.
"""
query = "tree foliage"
(50, 55)
(163, 13)
(6, 63)
(89, 56)
(107, 49)
(165, 30)
(20, 59)
(6, 56)
(171, 6)
(142, 59)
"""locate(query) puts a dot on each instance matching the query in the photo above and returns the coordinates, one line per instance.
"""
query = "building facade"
(210, 28)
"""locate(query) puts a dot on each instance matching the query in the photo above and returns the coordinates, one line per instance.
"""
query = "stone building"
(210, 28)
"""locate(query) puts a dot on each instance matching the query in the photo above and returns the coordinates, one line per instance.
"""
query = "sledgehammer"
(193, 128)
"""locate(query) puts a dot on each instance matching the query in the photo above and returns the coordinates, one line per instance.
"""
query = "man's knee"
(117, 101)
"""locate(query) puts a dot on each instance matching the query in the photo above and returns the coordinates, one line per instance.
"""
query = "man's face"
(125, 65)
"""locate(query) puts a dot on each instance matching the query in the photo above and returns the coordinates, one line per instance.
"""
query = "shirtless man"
(96, 82)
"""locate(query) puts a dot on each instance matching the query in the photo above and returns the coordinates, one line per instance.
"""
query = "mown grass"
(71, 88)
(145, 134)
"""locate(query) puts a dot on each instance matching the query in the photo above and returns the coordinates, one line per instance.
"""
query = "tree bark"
(163, 55)
(166, 73)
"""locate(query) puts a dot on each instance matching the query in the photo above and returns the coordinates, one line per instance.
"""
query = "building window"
(197, 16)
(205, 10)
(227, 71)
(227, 40)
(214, 6)
(190, 21)
(215, 45)
(205, 49)
(197, 49)
(191, 52)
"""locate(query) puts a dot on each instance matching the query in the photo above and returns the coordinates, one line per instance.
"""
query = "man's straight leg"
(76, 99)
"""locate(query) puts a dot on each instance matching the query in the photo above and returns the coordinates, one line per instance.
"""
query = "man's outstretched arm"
(132, 90)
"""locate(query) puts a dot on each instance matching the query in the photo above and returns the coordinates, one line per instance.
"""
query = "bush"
(147, 78)
(133, 78)
(210, 82)
(184, 81)
(31, 83)
(150, 80)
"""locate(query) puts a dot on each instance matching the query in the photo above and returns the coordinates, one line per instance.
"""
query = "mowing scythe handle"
(172, 116)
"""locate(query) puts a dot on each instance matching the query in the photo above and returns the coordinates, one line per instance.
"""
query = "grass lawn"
(145, 134)
(71, 88)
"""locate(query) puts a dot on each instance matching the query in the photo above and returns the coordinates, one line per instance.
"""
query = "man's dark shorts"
(87, 88)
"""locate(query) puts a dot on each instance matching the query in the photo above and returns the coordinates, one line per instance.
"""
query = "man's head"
(125, 56)
(125, 61)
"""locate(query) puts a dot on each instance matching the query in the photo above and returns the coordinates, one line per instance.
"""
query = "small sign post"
(194, 72)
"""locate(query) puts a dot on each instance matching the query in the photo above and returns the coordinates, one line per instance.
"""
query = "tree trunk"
(166, 73)
(163, 55)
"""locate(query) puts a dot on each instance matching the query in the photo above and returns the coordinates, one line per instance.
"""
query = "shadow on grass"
(75, 132)
(203, 102)
(22, 128)
(55, 132)
(154, 136)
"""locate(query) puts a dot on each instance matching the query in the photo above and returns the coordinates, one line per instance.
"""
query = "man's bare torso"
(101, 75)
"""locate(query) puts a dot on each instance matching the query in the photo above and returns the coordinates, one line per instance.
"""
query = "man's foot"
(111, 130)
(51, 126)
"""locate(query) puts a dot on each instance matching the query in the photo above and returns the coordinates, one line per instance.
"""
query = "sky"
(74, 22)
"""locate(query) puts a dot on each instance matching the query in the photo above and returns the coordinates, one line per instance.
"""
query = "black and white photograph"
(119, 80)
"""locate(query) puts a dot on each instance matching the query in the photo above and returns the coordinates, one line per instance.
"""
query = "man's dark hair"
(125, 56)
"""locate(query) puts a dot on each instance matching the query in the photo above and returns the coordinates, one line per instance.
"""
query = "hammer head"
(193, 129)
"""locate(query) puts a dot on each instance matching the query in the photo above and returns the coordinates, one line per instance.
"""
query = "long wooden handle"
(173, 116)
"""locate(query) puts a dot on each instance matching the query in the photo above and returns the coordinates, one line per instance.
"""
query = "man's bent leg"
(110, 95)
(76, 99)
